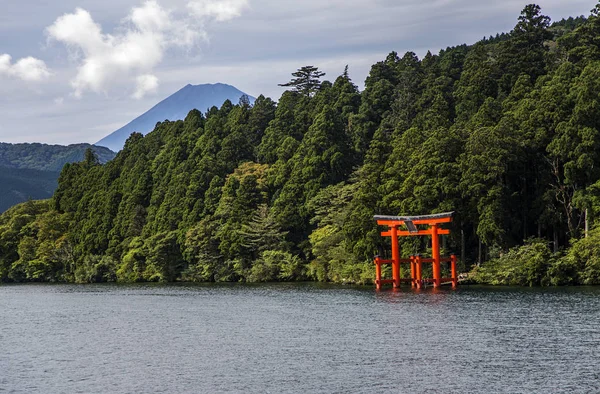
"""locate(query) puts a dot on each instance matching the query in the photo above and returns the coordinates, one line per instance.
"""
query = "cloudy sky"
(76, 70)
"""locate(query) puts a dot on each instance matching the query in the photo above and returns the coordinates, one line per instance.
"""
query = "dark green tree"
(306, 81)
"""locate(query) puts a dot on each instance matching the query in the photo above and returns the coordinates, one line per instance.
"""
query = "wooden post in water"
(435, 254)
(413, 272)
(378, 272)
(395, 256)
(419, 272)
(453, 271)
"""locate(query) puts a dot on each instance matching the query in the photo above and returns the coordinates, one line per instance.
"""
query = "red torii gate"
(411, 223)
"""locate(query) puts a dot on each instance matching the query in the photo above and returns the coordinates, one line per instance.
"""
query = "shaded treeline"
(505, 132)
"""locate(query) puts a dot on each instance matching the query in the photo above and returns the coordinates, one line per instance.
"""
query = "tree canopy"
(307, 80)
(504, 132)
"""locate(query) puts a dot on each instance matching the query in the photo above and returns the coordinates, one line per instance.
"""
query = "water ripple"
(297, 338)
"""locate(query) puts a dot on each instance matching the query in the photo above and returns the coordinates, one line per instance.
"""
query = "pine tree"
(307, 80)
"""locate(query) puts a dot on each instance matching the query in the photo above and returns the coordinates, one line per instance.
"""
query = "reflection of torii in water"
(411, 223)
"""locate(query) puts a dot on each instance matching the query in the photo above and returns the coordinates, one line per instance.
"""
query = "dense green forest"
(505, 132)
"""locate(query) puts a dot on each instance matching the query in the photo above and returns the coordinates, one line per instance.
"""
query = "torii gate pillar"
(435, 254)
(395, 257)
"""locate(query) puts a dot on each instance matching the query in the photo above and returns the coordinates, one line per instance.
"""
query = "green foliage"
(273, 265)
(504, 132)
(48, 157)
(307, 80)
(532, 264)
(525, 265)
(35, 244)
(333, 258)
(31, 171)
(581, 264)
(95, 269)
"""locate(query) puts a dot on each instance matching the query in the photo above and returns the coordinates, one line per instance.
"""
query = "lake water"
(297, 338)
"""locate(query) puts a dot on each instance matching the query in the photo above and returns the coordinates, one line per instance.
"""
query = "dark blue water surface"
(297, 338)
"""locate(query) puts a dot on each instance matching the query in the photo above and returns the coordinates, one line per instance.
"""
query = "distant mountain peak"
(175, 107)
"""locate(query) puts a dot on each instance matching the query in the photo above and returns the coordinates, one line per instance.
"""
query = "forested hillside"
(30, 171)
(47, 157)
(505, 132)
(19, 185)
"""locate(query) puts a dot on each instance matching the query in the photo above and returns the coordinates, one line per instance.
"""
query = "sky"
(74, 71)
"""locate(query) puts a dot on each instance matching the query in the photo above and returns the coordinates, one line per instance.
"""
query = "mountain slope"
(45, 157)
(30, 171)
(174, 107)
(19, 185)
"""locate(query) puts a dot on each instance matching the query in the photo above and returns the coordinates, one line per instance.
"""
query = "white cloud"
(220, 10)
(146, 83)
(131, 53)
(150, 17)
(27, 68)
